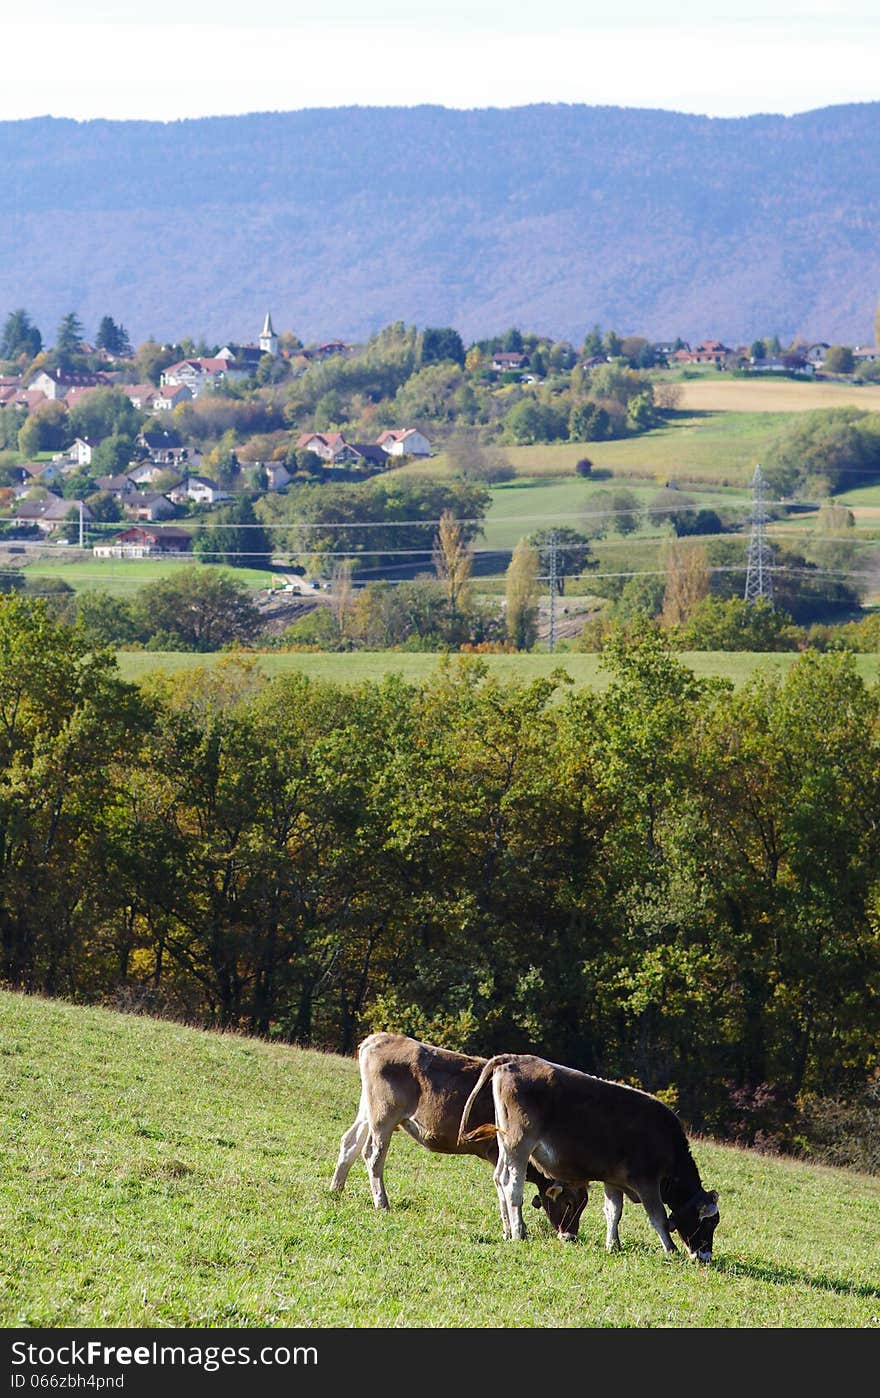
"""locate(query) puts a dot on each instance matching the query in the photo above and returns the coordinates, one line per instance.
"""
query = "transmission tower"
(759, 576)
(554, 581)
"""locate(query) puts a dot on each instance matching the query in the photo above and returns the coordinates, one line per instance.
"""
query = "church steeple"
(268, 338)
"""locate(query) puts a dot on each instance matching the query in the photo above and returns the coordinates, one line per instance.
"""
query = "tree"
(734, 624)
(589, 422)
(198, 609)
(113, 338)
(45, 429)
(687, 580)
(473, 360)
(453, 562)
(21, 339)
(69, 335)
(573, 553)
(530, 421)
(839, 360)
(234, 537)
(756, 350)
(104, 412)
(521, 596)
(441, 343)
(471, 460)
(152, 358)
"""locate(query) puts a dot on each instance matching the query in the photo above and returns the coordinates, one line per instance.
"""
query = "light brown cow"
(423, 1089)
(577, 1128)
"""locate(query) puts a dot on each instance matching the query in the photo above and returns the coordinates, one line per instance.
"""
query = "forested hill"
(552, 217)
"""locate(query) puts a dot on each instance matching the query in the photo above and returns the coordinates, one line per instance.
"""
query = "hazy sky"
(118, 58)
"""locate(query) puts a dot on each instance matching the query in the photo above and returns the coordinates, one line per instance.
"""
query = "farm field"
(722, 394)
(354, 666)
(189, 1186)
(122, 579)
(721, 446)
(521, 507)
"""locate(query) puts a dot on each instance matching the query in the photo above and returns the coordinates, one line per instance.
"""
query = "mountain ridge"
(550, 216)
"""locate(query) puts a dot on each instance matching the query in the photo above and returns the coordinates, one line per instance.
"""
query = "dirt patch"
(278, 610)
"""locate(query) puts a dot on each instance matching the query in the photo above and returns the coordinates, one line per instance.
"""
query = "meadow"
(351, 667)
(157, 1175)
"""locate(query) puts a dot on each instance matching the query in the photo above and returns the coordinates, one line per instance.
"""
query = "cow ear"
(713, 1195)
(554, 1191)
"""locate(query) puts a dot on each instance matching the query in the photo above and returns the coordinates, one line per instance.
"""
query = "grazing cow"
(423, 1089)
(577, 1128)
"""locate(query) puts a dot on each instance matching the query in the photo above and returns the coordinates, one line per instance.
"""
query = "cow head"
(563, 1205)
(696, 1221)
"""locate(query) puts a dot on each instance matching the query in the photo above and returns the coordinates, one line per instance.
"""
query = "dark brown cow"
(577, 1128)
(423, 1090)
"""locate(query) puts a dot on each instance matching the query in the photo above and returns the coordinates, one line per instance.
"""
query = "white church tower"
(268, 338)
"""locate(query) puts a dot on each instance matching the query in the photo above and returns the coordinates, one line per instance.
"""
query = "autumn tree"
(453, 562)
(687, 580)
(521, 596)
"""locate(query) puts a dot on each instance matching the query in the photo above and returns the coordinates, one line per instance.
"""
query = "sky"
(122, 59)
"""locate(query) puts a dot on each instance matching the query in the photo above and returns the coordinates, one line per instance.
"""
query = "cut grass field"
(155, 1175)
(354, 666)
(767, 395)
(123, 579)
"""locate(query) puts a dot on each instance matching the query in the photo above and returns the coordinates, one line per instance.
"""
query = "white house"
(56, 384)
(403, 441)
(199, 375)
(167, 396)
(199, 489)
(82, 450)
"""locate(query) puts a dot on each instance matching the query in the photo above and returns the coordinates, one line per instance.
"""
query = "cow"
(423, 1090)
(577, 1128)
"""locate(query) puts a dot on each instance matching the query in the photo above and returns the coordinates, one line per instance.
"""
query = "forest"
(670, 881)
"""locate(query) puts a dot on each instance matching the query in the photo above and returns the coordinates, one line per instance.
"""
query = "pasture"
(123, 578)
(775, 395)
(353, 667)
(156, 1175)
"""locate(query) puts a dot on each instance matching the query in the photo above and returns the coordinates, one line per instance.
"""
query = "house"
(404, 441)
(330, 446)
(370, 454)
(56, 384)
(140, 395)
(815, 354)
(117, 486)
(51, 511)
(866, 354)
(82, 450)
(325, 351)
(167, 396)
(786, 364)
(28, 398)
(710, 352)
(249, 356)
(145, 504)
(277, 474)
(199, 489)
(140, 542)
(202, 374)
(40, 472)
(164, 446)
(506, 361)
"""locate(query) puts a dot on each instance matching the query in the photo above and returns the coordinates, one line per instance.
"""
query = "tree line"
(667, 881)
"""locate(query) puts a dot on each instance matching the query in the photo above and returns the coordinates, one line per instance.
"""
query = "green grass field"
(155, 1175)
(352, 667)
(523, 506)
(123, 578)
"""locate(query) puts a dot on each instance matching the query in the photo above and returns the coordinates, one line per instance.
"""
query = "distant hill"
(551, 217)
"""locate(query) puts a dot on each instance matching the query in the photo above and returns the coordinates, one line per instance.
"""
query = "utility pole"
(81, 531)
(551, 635)
(759, 574)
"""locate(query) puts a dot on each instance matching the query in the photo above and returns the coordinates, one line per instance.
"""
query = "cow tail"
(481, 1133)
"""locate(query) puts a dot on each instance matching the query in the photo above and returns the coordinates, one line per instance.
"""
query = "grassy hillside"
(160, 1176)
(351, 667)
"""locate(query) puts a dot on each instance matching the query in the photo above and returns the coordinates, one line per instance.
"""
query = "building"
(142, 542)
(404, 441)
(268, 338)
(56, 384)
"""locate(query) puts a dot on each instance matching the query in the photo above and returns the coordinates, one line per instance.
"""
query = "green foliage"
(735, 624)
(199, 609)
(531, 421)
(573, 553)
(102, 413)
(438, 344)
(233, 536)
(589, 422)
(20, 339)
(828, 450)
(839, 360)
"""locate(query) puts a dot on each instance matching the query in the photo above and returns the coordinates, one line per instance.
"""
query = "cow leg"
(374, 1153)
(613, 1208)
(650, 1197)
(514, 1189)
(500, 1177)
(351, 1144)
